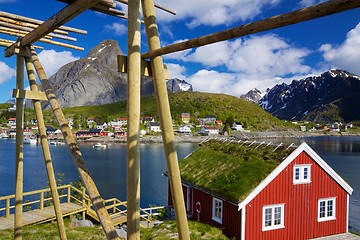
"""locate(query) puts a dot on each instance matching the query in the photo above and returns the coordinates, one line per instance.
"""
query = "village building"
(184, 129)
(237, 126)
(209, 130)
(12, 123)
(254, 190)
(185, 117)
(90, 121)
(154, 127)
(96, 132)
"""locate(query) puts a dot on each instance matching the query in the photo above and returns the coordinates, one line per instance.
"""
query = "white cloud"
(211, 81)
(264, 56)
(345, 55)
(213, 12)
(307, 3)
(176, 71)
(117, 28)
(52, 60)
(6, 72)
(255, 62)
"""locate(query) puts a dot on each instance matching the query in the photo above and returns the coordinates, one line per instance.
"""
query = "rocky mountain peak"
(254, 95)
(316, 98)
(95, 80)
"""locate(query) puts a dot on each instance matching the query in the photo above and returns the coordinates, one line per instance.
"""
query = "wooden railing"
(69, 194)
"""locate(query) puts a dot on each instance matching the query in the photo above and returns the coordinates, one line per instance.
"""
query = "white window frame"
(301, 168)
(327, 217)
(273, 226)
(215, 202)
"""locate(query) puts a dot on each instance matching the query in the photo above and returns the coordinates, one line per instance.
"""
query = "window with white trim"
(326, 209)
(273, 217)
(302, 173)
(217, 210)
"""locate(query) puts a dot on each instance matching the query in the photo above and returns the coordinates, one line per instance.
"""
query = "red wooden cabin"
(299, 197)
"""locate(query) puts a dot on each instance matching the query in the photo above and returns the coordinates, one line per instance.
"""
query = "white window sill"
(326, 219)
(272, 228)
(218, 220)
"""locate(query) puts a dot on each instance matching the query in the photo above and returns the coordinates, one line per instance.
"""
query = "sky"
(232, 67)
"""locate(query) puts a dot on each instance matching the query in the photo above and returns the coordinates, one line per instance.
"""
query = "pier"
(38, 207)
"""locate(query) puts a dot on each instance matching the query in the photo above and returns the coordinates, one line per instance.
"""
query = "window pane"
(277, 216)
(268, 216)
(330, 208)
(297, 173)
(305, 173)
(322, 209)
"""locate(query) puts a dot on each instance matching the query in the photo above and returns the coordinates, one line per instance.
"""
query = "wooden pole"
(45, 148)
(305, 14)
(133, 137)
(161, 7)
(38, 22)
(60, 18)
(97, 201)
(19, 171)
(165, 119)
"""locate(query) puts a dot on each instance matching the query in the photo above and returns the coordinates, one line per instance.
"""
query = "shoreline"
(239, 135)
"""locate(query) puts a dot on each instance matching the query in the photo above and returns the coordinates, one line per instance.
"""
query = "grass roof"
(231, 170)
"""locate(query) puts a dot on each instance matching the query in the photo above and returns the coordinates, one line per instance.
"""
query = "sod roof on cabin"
(231, 170)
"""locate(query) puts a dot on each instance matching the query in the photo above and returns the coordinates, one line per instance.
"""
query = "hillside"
(197, 104)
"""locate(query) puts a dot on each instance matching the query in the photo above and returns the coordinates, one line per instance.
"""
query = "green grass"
(197, 104)
(163, 231)
(230, 170)
(50, 231)
(168, 230)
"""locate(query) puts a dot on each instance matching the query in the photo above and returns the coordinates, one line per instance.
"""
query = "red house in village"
(260, 191)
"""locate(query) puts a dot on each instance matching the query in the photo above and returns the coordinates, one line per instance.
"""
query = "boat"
(56, 143)
(29, 140)
(99, 145)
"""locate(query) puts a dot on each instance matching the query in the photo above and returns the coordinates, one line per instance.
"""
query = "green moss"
(50, 231)
(168, 230)
(230, 170)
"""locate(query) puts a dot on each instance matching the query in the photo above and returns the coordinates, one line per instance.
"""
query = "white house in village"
(237, 126)
(209, 130)
(184, 129)
(154, 127)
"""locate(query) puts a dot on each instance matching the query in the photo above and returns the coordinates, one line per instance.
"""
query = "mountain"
(95, 80)
(254, 95)
(334, 95)
(177, 85)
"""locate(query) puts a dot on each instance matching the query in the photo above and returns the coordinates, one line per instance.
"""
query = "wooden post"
(133, 137)
(46, 151)
(7, 214)
(165, 119)
(97, 201)
(19, 149)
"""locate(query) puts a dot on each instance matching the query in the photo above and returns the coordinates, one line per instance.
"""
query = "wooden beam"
(27, 94)
(60, 18)
(133, 127)
(28, 29)
(145, 67)
(305, 14)
(8, 43)
(38, 22)
(96, 200)
(167, 131)
(161, 7)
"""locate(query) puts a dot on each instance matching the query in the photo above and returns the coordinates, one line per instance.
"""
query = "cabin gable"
(301, 203)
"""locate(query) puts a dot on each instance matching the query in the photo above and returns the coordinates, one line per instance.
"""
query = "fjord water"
(108, 167)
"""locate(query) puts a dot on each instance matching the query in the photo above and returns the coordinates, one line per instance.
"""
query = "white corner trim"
(243, 219)
(286, 162)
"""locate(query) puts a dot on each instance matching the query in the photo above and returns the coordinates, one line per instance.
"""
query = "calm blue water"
(108, 168)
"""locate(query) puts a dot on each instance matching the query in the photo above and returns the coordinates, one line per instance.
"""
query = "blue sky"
(232, 67)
